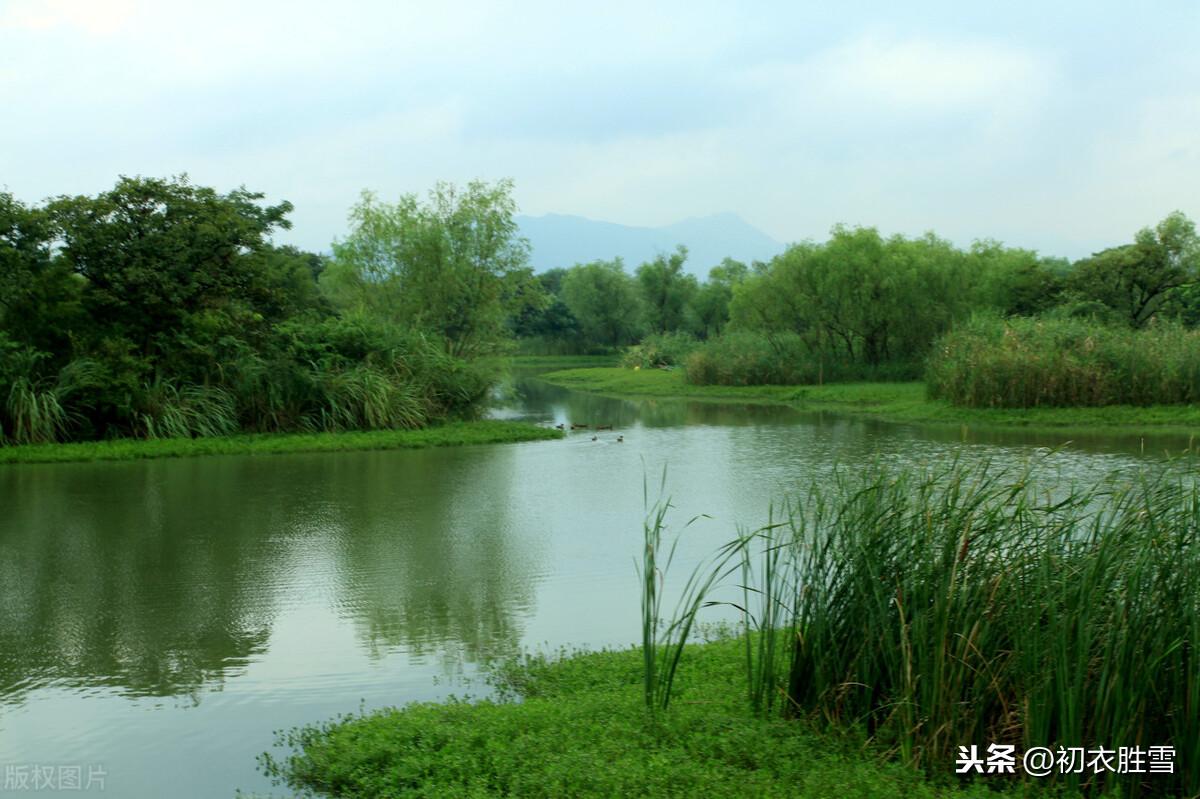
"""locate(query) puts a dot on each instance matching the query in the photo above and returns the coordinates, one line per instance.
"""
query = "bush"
(660, 349)
(1029, 363)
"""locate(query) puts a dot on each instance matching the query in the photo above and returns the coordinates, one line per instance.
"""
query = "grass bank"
(894, 402)
(446, 435)
(582, 730)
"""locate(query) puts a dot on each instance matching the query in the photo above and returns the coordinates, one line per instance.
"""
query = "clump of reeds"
(747, 358)
(960, 605)
(1029, 363)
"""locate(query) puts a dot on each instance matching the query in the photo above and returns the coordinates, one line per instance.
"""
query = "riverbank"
(892, 402)
(452, 434)
(581, 729)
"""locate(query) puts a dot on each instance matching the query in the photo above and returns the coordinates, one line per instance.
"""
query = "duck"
(559, 426)
(593, 438)
(620, 439)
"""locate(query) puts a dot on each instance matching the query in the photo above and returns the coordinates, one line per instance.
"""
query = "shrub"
(659, 350)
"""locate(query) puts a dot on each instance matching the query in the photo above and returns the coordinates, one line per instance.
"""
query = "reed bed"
(964, 605)
(745, 358)
(1031, 363)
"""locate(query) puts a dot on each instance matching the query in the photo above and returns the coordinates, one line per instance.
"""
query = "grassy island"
(894, 402)
(451, 434)
(580, 729)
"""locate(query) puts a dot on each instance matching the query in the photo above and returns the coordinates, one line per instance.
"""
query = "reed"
(745, 358)
(663, 639)
(960, 605)
(964, 606)
(1032, 363)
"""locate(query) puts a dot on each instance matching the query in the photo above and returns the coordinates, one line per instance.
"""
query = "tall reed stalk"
(663, 640)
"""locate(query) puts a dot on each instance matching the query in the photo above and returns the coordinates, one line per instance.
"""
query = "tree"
(39, 297)
(605, 300)
(166, 263)
(552, 320)
(1135, 280)
(710, 303)
(1014, 281)
(453, 266)
(667, 291)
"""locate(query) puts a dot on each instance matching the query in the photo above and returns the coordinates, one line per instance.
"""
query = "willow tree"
(452, 266)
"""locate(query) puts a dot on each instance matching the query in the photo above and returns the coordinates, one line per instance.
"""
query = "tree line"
(858, 304)
(160, 308)
(164, 309)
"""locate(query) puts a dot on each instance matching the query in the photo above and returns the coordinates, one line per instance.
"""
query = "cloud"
(96, 17)
(930, 75)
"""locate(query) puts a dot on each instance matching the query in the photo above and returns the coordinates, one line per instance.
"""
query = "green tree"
(1013, 281)
(710, 303)
(170, 267)
(552, 321)
(667, 292)
(39, 297)
(606, 302)
(452, 266)
(1135, 280)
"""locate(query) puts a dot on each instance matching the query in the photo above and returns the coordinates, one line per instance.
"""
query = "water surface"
(160, 619)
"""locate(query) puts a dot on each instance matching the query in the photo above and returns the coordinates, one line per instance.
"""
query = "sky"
(1063, 127)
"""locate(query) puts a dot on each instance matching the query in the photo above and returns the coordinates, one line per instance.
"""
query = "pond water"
(159, 620)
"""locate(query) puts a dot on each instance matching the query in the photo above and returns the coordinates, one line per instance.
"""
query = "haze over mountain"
(564, 240)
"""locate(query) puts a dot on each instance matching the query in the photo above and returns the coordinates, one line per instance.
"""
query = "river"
(159, 620)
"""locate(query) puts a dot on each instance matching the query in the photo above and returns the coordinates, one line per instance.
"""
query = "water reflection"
(160, 578)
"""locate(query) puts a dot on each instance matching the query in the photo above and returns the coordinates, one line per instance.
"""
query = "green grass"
(582, 730)
(894, 402)
(446, 435)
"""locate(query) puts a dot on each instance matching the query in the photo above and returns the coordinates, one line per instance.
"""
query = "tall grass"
(744, 358)
(663, 639)
(37, 409)
(966, 605)
(1030, 363)
(171, 411)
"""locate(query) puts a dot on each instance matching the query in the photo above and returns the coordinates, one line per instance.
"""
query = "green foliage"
(606, 302)
(550, 327)
(710, 304)
(452, 267)
(660, 350)
(749, 358)
(580, 730)
(1031, 363)
(169, 267)
(160, 309)
(962, 604)
(1015, 282)
(169, 411)
(853, 298)
(1135, 280)
(667, 293)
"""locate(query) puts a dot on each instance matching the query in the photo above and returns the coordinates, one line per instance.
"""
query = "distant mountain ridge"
(565, 240)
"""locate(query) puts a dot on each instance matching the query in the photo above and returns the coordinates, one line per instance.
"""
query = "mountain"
(563, 240)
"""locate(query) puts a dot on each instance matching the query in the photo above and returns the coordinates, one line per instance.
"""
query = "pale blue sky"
(1063, 127)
